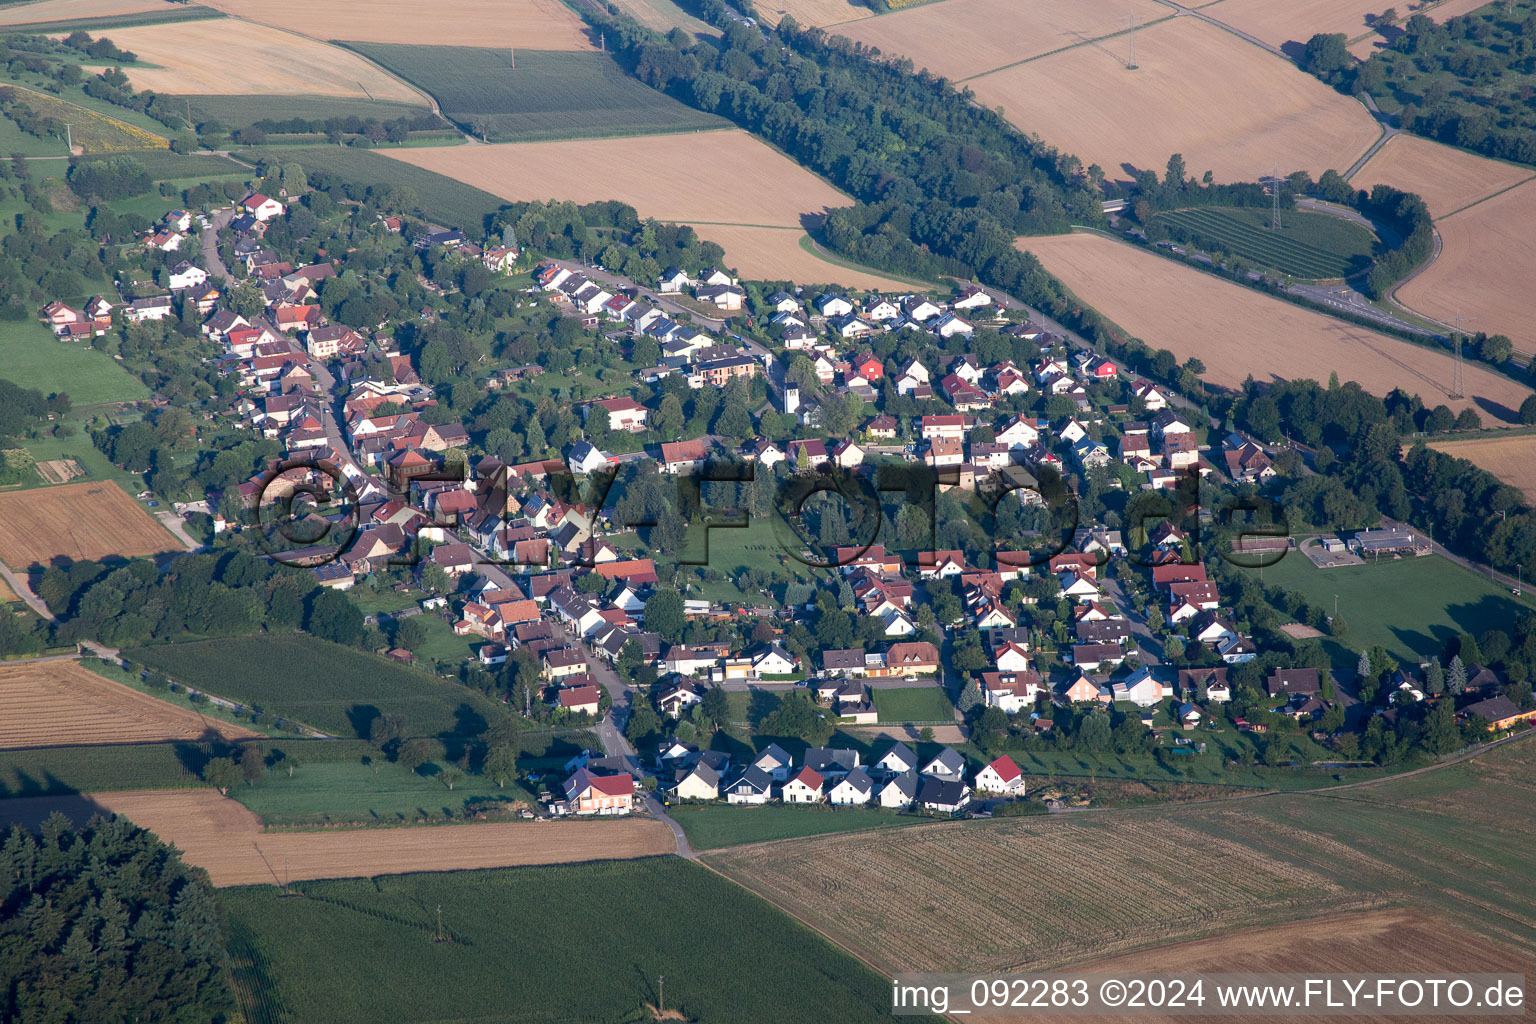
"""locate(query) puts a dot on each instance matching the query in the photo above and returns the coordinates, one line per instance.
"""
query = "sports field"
(1511, 459)
(263, 60)
(1447, 178)
(1409, 606)
(338, 690)
(962, 38)
(530, 95)
(1453, 843)
(61, 703)
(534, 24)
(559, 944)
(725, 177)
(1198, 90)
(1485, 268)
(1237, 332)
(32, 357)
(74, 522)
(1308, 245)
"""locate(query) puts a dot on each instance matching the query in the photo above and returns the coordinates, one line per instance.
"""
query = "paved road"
(211, 261)
(178, 527)
(18, 583)
(1139, 628)
(1388, 130)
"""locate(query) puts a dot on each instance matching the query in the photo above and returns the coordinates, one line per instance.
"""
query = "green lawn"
(32, 357)
(339, 690)
(90, 458)
(369, 790)
(583, 942)
(240, 111)
(444, 200)
(1309, 245)
(14, 140)
(923, 704)
(711, 826)
(1409, 606)
(543, 95)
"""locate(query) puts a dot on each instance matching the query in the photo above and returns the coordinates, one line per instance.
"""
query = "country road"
(23, 589)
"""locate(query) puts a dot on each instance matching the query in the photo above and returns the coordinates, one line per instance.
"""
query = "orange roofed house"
(586, 793)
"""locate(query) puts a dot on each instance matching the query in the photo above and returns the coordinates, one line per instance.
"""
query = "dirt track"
(222, 836)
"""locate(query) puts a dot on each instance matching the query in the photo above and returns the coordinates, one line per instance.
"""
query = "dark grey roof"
(941, 793)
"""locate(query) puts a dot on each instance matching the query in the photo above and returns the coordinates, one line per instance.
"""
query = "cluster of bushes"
(115, 177)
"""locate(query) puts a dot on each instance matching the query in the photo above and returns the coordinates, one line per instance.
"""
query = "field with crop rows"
(163, 165)
(1308, 245)
(536, 24)
(1454, 842)
(338, 690)
(444, 199)
(240, 110)
(362, 951)
(537, 94)
(711, 826)
(77, 521)
(70, 10)
(61, 703)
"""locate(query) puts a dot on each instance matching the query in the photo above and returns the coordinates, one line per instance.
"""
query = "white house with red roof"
(262, 207)
(586, 793)
(1001, 778)
(804, 787)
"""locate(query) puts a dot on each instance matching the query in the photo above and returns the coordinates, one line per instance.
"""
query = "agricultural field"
(1511, 459)
(244, 109)
(1308, 245)
(816, 13)
(1447, 178)
(163, 165)
(74, 522)
(1453, 843)
(263, 61)
(914, 704)
(786, 254)
(536, 95)
(62, 771)
(664, 15)
(959, 39)
(1409, 606)
(711, 826)
(62, 703)
(725, 177)
(1197, 90)
(531, 24)
(32, 357)
(338, 690)
(70, 10)
(92, 132)
(362, 951)
(1435, 10)
(1486, 261)
(444, 199)
(1237, 332)
(217, 833)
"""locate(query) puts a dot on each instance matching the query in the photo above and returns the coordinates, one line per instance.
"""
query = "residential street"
(211, 261)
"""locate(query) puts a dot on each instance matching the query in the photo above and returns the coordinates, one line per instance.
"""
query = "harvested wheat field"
(1237, 332)
(69, 10)
(961, 38)
(915, 904)
(813, 13)
(76, 521)
(63, 704)
(256, 60)
(224, 837)
(526, 24)
(774, 254)
(1485, 269)
(1397, 941)
(1447, 178)
(1199, 90)
(1511, 459)
(699, 178)
(1296, 21)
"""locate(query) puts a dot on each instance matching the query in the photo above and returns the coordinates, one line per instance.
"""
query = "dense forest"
(106, 924)
(1469, 82)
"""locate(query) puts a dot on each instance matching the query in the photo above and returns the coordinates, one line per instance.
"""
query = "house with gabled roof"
(943, 796)
(1001, 778)
(852, 790)
(804, 787)
(900, 791)
(753, 786)
(774, 761)
(946, 764)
